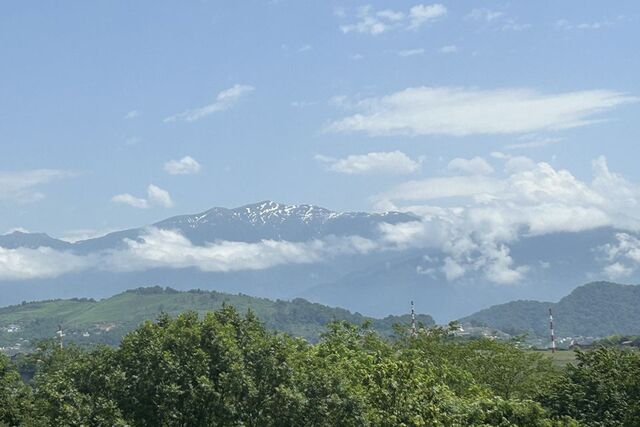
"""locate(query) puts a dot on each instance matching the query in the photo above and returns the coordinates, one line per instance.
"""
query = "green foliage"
(227, 369)
(15, 396)
(602, 389)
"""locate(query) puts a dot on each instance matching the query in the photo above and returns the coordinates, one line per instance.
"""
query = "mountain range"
(87, 321)
(276, 250)
(596, 309)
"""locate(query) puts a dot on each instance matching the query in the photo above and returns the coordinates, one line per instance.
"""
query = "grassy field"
(560, 357)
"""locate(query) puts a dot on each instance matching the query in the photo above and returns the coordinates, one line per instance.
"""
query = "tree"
(603, 389)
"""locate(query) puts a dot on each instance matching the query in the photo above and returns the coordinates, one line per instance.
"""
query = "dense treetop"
(227, 369)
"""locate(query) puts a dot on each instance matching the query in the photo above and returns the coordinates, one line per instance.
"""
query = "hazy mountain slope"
(107, 320)
(19, 239)
(595, 309)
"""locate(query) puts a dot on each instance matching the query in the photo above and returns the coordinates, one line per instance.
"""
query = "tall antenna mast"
(60, 334)
(414, 329)
(553, 336)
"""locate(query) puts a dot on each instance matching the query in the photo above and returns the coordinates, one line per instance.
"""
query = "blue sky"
(341, 104)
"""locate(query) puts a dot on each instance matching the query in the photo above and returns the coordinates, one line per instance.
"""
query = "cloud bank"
(473, 219)
(159, 248)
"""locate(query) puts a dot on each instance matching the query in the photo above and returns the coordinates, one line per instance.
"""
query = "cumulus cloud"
(474, 219)
(459, 112)
(185, 166)
(224, 100)
(623, 256)
(158, 196)
(155, 196)
(421, 14)
(370, 21)
(394, 163)
(23, 186)
(474, 166)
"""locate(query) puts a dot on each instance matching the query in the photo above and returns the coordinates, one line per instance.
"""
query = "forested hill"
(596, 309)
(106, 321)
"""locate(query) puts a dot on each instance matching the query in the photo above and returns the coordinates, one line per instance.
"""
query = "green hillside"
(596, 309)
(106, 321)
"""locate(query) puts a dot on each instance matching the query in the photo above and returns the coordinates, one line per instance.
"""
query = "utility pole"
(553, 336)
(414, 329)
(60, 334)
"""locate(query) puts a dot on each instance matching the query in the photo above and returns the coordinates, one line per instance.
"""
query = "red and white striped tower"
(553, 336)
(414, 329)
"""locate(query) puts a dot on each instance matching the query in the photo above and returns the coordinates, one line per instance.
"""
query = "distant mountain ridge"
(249, 223)
(596, 309)
(375, 281)
(107, 320)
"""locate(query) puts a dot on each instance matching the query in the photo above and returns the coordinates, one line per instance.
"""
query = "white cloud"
(24, 264)
(617, 271)
(474, 219)
(128, 199)
(442, 188)
(518, 164)
(185, 166)
(224, 100)
(368, 23)
(378, 22)
(132, 115)
(158, 248)
(459, 112)
(452, 270)
(169, 249)
(155, 196)
(421, 14)
(158, 196)
(563, 24)
(410, 52)
(474, 166)
(394, 162)
(623, 256)
(530, 141)
(23, 186)
(448, 49)
(391, 15)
